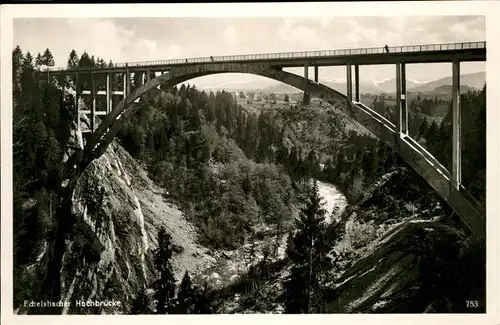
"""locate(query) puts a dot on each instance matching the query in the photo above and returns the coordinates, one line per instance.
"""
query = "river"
(236, 261)
(332, 198)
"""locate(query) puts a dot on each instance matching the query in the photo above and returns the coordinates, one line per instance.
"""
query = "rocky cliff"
(403, 251)
(119, 211)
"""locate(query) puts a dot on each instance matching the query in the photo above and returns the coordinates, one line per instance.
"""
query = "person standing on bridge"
(386, 48)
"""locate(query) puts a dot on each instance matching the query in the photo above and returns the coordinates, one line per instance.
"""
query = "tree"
(73, 61)
(39, 60)
(48, 58)
(203, 301)
(28, 61)
(165, 284)
(85, 61)
(287, 98)
(307, 249)
(312, 164)
(186, 296)
(140, 305)
(17, 63)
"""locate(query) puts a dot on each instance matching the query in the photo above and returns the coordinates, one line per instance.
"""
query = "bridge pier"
(401, 107)
(356, 81)
(77, 100)
(93, 108)
(126, 84)
(316, 74)
(404, 107)
(108, 93)
(349, 84)
(306, 99)
(456, 172)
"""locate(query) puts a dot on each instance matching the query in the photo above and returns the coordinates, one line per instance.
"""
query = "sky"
(142, 39)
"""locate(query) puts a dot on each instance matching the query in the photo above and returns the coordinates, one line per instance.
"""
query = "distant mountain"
(474, 80)
(446, 90)
(281, 88)
(364, 87)
(468, 82)
(236, 85)
(389, 86)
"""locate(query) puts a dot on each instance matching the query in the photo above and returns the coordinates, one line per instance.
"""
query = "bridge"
(150, 75)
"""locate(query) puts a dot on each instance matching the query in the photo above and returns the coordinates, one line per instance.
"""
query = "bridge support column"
(306, 98)
(404, 107)
(126, 83)
(456, 172)
(398, 98)
(108, 93)
(140, 78)
(112, 79)
(316, 74)
(92, 112)
(77, 100)
(356, 81)
(349, 84)
(401, 107)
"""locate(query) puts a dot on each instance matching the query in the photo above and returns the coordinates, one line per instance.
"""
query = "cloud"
(325, 21)
(173, 51)
(133, 39)
(99, 37)
(230, 34)
(293, 33)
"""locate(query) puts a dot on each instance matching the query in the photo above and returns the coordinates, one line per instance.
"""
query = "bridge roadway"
(433, 53)
(446, 183)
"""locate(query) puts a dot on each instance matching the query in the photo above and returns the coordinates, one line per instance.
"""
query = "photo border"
(489, 9)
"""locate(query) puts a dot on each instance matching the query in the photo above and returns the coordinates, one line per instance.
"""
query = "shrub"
(359, 234)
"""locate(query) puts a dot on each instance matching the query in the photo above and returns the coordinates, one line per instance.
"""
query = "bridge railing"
(301, 55)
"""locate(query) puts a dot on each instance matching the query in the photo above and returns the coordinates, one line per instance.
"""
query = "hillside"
(468, 81)
(473, 80)
(444, 90)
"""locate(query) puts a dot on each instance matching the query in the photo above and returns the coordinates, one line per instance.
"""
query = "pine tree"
(312, 164)
(140, 305)
(165, 284)
(422, 131)
(17, 63)
(85, 61)
(39, 61)
(203, 301)
(48, 58)
(28, 61)
(73, 61)
(307, 250)
(186, 296)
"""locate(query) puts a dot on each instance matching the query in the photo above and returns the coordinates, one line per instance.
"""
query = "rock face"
(119, 211)
(395, 256)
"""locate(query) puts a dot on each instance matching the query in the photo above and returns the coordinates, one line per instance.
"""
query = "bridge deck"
(470, 51)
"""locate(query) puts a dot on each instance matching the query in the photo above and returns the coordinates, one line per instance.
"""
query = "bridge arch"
(431, 170)
(114, 121)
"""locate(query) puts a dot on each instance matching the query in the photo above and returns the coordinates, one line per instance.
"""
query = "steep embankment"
(124, 230)
(396, 252)
(400, 251)
(119, 211)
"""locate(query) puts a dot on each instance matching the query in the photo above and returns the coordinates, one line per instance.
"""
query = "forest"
(238, 175)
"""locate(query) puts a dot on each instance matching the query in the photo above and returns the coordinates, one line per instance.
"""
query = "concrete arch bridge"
(171, 72)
